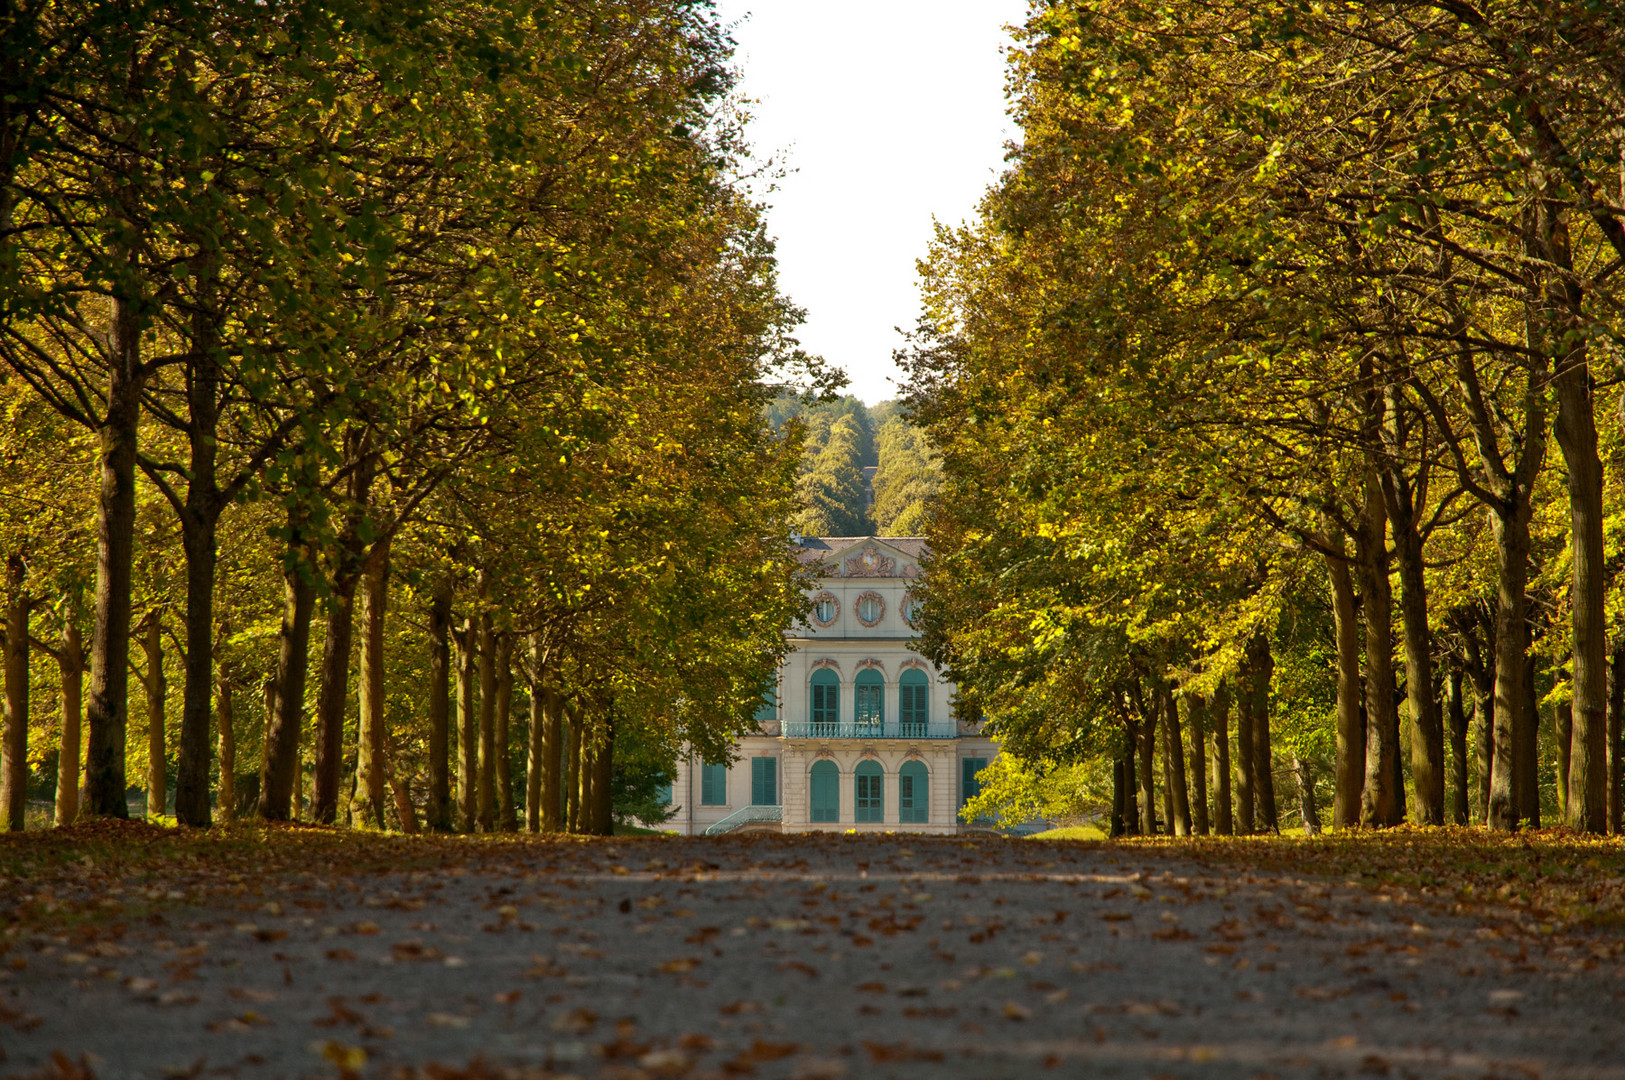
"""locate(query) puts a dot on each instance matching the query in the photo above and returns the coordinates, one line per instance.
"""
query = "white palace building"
(862, 735)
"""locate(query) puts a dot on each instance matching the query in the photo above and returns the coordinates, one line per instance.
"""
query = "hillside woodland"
(864, 471)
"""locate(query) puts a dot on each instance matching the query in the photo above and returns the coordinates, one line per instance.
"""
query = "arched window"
(869, 691)
(871, 783)
(913, 793)
(914, 704)
(826, 792)
(826, 701)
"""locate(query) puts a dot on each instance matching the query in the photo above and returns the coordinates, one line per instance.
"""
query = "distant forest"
(864, 471)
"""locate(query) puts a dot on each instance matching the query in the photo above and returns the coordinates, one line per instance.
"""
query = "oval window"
(870, 608)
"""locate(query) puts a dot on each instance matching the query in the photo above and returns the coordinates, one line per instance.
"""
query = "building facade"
(861, 734)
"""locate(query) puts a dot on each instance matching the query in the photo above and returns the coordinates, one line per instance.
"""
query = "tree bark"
(405, 812)
(1563, 740)
(1245, 759)
(280, 791)
(603, 791)
(1261, 670)
(107, 716)
(438, 815)
(1528, 749)
(1575, 427)
(1459, 795)
(371, 737)
(506, 820)
(1349, 781)
(1197, 715)
(571, 773)
(1379, 803)
(1307, 808)
(152, 646)
(1616, 733)
(1119, 798)
(542, 794)
(14, 738)
(226, 721)
(1173, 751)
(71, 663)
(1131, 797)
(488, 729)
(1146, 734)
(1427, 725)
(468, 727)
(1223, 817)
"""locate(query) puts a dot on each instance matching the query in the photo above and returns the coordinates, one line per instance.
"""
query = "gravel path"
(809, 957)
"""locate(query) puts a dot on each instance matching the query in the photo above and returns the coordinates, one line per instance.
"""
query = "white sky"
(889, 112)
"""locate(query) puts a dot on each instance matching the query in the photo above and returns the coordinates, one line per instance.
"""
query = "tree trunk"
(405, 812)
(1529, 740)
(226, 721)
(152, 646)
(1146, 734)
(1119, 798)
(488, 728)
(603, 791)
(506, 820)
(107, 717)
(1576, 430)
(1131, 797)
(1245, 760)
(571, 774)
(468, 727)
(1198, 741)
(543, 794)
(1349, 781)
(1616, 733)
(1224, 821)
(1173, 750)
(1307, 808)
(370, 736)
(1563, 741)
(200, 518)
(14, 739)
(269, 689)
(438, 815)
(1459, 796)
(280, 792)
(1379, 802)
(1261, 665)
(1427, 725)
(71, 663)
(332, 698)
(1512, 706)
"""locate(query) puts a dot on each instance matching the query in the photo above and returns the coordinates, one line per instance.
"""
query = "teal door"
(871, 784)
(826, 792)
(913, 793)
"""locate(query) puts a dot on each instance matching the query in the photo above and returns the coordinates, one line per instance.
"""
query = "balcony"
(808, 729)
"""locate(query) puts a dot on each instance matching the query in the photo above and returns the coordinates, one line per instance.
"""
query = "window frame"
(825, 684)
(869, 688)
(869, 806)
(913, 717)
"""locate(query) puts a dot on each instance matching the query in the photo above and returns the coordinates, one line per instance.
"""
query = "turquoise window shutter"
(913, 793)
(826, 792)
(971, 783)
(764, 781)
(826, 697)
(713, 785)
(871, 783)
